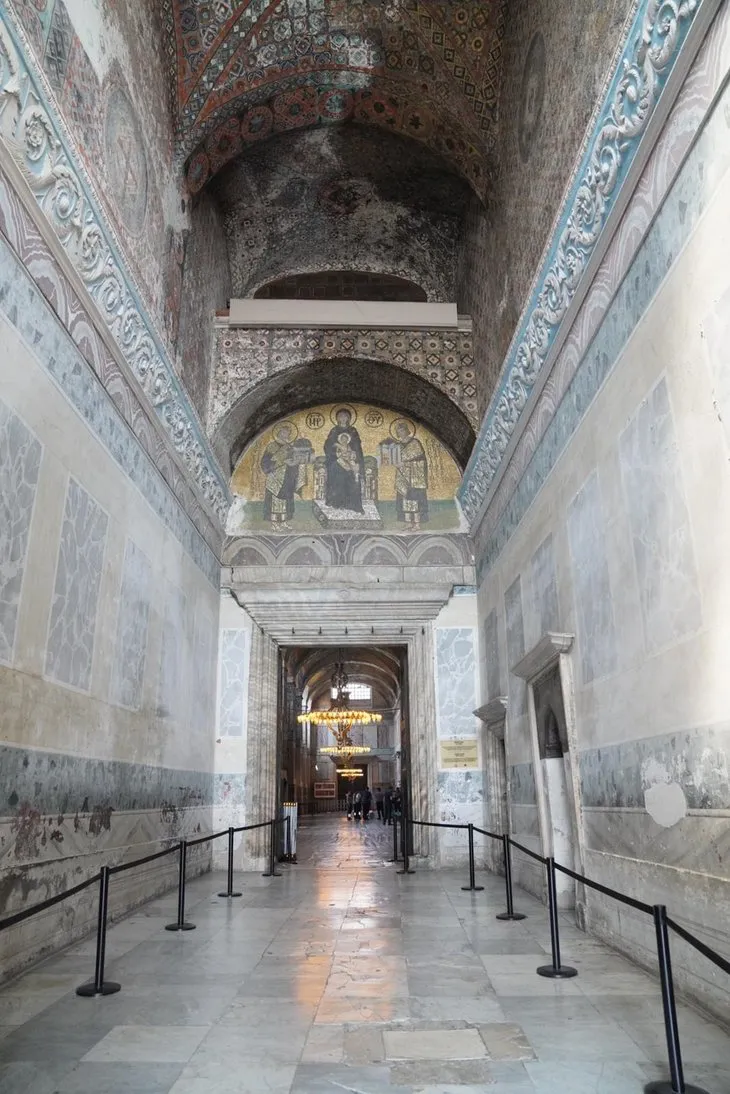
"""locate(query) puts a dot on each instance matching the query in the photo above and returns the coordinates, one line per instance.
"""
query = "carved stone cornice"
(544, 654)
(595, 200)
(38, 143)
(493, 714)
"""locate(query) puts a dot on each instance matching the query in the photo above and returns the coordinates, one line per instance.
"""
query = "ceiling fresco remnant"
(342, 285)
(345, 467)
(338, 199)
(247, 69)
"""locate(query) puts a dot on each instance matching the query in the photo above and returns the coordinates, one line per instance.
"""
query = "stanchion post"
(472, 887)
(404, 841)
(510, 913)
(288, 838)
(230, 893)
(272, 871)
(556, 971)
(676, 1085)
(180, 924)
(100, 986)
(395, 839)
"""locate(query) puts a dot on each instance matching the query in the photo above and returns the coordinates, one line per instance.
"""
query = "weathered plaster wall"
(108, 619)
(342, 198)
(616, 531)
(556, 58)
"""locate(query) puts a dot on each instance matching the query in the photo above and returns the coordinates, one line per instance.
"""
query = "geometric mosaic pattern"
(244, 357)
(248, 68)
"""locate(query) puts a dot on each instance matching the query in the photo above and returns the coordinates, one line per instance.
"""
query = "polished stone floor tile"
(341, 975)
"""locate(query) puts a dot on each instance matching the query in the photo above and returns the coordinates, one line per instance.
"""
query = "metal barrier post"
(510, 913)
(472, 887)
(288, 838)
(272, 871)
(99, 986)
(230, 892)
(181, 925)
(395, 840)
(404, 840)
(556, 971)
(676, 1085)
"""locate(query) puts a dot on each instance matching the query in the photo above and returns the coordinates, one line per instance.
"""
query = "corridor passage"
(342, 976)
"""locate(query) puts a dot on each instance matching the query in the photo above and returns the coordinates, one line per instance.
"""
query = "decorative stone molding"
(35, 137)
(658, 33)
(543, 655)
(494, 714)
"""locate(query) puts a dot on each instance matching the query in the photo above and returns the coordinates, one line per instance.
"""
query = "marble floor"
(343, 976)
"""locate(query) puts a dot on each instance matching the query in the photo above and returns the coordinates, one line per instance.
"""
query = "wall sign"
(459, 752)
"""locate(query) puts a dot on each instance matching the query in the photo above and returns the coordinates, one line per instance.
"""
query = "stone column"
(263, 774)
(422, 703)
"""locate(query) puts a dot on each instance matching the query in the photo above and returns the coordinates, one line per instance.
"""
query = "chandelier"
(349, 772)
(340, 718)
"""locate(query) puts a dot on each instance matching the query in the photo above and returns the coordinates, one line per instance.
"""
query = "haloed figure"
(285, 476)
(411, 480)
(345, 464)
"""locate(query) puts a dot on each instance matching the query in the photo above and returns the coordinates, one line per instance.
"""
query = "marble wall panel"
(491, 652)
(20, 461)
(203, 673)
(456, 681)
(233, 685)
(591, 582)
(515, 645)
(522, 789)
(130, 652)
(545, 611)
(70, 647)
(660, 523)
(172, 680)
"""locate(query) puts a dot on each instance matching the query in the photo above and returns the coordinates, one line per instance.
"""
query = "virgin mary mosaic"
(345, 467)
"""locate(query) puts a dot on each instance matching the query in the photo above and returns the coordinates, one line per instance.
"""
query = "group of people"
(387, 804)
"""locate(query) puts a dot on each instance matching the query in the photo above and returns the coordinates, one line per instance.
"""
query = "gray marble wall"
(20, 459)
(233, 683)
(591, 583)
(515, 646)
(545, 614)
(173, 681)
(491, 653)
(132, 629)
(660, 529)
(70, 647)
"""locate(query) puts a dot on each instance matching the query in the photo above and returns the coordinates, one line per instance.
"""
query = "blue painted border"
(538, 331)
(26, 309)
(677, 219)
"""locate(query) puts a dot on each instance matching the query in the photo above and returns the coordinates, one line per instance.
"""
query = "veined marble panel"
(696, 760)
(700, 844)
(491, 652)
(522, 790)
(70, 647)
(171, 699)
(233, 686)
(20, 461)
(515, 644)
(456, 681)
(203, 672)
(591, 583)
(132, 625)
(660, 523)
(545, 610)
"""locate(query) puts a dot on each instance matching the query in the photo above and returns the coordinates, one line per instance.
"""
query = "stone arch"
(376, 550)
(436, 552)
(248, 552)
(310, 553)
(348, 380)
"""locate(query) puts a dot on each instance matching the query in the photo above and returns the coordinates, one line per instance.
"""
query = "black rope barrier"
(207, 839)
(472, 887)
(704, 949)
(142, 861)
(630, 900)
(100, 986)
(229, 891)
(437, 824)
(527, 851)
(181, 923)
(18, 917)
(554, 971)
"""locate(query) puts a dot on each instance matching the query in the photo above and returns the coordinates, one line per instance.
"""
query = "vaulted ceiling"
(248, 69)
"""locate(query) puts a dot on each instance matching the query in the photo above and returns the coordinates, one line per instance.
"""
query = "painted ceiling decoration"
(250, 69)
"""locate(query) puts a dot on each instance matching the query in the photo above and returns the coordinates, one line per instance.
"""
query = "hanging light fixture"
(340, 718)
